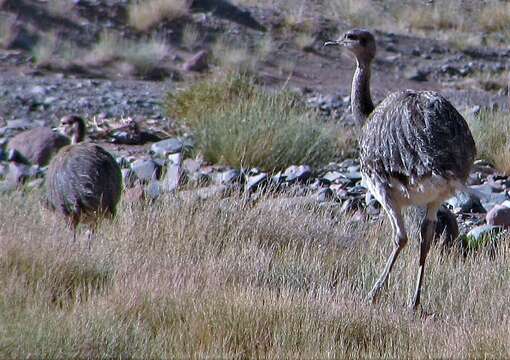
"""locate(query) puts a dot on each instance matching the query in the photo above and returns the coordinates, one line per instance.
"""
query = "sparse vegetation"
(451, 20)
(60, 8)
(190, 36)
(7, 29)
(45, 49)
(491, 131)
(143, 54)
(234, 56)
(143, 15)
(238, 123)
(219, 279)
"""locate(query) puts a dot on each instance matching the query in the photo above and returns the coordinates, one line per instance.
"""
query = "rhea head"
(360, 42)
(73, 126)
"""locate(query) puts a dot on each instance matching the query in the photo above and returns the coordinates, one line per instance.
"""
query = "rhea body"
(415, 149)
(84, 181)
(38, 145)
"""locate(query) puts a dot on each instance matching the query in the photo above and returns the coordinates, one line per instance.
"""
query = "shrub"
(143, 15)
(491, 130)
(238, 123)
(144, 54)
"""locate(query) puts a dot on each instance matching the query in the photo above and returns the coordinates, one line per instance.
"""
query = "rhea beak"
(329, 43)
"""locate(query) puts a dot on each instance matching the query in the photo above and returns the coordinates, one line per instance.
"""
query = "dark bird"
(38, 145)
(84, 181)
(415, 149)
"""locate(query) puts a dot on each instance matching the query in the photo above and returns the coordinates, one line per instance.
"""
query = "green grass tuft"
(236, 122)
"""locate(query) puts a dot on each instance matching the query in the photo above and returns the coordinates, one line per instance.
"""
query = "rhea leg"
(399, 242)
(428, 227)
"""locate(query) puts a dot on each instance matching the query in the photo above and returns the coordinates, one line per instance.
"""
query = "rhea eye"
(351, 36)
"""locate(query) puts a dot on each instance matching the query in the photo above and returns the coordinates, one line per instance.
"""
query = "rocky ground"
(125, 113)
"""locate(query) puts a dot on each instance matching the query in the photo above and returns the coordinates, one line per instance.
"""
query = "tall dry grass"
(491, 131)
(183, 278)
(145, 14)
(457, 21)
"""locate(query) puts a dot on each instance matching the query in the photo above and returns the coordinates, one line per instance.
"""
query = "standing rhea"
(84, 181)
(416, 149)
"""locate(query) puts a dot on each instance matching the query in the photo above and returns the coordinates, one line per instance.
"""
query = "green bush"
(236, 122)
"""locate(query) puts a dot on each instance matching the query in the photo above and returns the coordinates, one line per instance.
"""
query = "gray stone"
(191, 165)
(499, 215)
(19, 124)
(299, 173)
(483, 231)
(146, 170)
(255, 181)
(333, 176)
(229, 176)
(466, 203)
(152, 190)
(325, 194)
(488, 197)
(172, 178)
(168, 146)
(417, 75)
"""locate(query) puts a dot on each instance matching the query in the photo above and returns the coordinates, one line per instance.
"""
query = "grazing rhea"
(416, 149)
(38, 145)
(84, 181)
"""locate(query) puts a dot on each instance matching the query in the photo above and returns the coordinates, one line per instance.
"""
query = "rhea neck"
(78, 133)
(361, 101)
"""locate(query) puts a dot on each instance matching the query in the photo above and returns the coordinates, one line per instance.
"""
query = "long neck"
(361, 101)
(78, 134)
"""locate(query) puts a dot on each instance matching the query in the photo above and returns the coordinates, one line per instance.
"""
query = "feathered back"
(84, 179)
(38, 145)
(413, 134)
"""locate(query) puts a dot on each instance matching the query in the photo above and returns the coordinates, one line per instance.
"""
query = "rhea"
(415, 149)
(38, 145)
(84, 181)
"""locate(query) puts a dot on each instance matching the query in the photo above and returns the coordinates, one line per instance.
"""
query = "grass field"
(216, 279)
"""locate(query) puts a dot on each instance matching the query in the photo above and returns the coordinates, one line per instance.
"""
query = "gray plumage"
(415, 149)
(83, 183)
(38, 145)
(414, 134)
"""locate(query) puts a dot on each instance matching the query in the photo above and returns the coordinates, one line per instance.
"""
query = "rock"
(146, 170)
(152, 190)
(191, 166)
(488, 197)
(168, 146)
(481, 235)
(466, 203)
(229, 177)
(354, 176)
(255, 181)
(333, 176)
(417, 75)
(499, 215)
(198, 62)
(172, 178)
(299, 173)
(325, 194)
